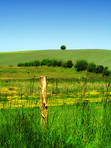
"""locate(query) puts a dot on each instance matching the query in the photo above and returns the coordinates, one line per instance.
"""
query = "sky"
(48, 24)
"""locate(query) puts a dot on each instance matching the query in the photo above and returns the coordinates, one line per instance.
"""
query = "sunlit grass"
(78, 114)
(11, 97)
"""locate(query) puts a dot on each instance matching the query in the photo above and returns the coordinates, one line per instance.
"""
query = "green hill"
(91, 55)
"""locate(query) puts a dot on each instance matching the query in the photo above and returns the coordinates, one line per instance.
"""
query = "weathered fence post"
(43, 100)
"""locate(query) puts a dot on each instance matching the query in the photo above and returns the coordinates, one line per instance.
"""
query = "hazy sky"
(47, 24)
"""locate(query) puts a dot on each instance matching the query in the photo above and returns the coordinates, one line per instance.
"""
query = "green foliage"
(64, 64)
(91, 67)
(20, 64)
(85, 124)
(63, 47)
(81, 65)
(105, 72)
(59, 63)
(99, 69)
(45, 62)
(33, 63)
(48, 62)
(69, 64)
(36, 63)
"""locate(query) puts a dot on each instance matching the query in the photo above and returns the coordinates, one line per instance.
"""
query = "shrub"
(31, 64)
(59, 63)
(26, 64)
(44, 61)
(69, 64)
(54, 62)
(81, 65)
(20, 64)
(49, 63)
(105, 72)
(99, 69)
(91, 67)
(63, 47)
(36, 63)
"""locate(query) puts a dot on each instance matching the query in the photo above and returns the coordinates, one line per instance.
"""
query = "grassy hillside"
(98, 56)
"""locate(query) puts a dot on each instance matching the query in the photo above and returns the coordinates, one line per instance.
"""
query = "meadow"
(79, 108)
(97, 56)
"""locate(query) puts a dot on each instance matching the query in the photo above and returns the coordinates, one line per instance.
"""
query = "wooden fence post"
(43, 100)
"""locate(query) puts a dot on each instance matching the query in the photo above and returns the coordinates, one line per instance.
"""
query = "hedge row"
(91, 67)
(48, 62)
(79, 65)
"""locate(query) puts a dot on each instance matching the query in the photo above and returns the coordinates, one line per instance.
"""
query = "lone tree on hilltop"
(63, 47)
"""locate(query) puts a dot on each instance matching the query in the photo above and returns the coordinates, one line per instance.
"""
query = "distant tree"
(105, 72)
(69, 64)
(91, 67)
(81, 65)
(59, 63)
(63, 47)
(99, 69)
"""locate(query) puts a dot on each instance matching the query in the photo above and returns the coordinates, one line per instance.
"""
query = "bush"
(20, 64)
(31, 64)
(36, 63)
(81, 65)
(63, 47)
(59, 63)
(69, 64)
(99, 69)
(91, 67)
(54, 62)
(105, 72)
(26, 64)
(49, 63)
(45, 61)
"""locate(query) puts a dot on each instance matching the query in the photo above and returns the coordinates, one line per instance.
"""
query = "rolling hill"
(91, 55)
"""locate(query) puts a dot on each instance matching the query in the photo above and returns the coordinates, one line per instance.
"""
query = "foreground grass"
(84, 124)
(79, 125)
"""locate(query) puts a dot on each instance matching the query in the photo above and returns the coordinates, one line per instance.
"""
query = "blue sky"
(48, 24)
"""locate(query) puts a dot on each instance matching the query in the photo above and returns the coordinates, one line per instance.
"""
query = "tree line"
(48, 62)
(79, 65)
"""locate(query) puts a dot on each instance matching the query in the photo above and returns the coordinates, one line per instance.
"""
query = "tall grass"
(83, 124)
(79, 125)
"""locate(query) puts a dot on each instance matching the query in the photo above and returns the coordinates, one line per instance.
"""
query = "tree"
(69, 64)
(63, 47)
(99, 69)
(81, 65)
(91, 67)
(106, 72)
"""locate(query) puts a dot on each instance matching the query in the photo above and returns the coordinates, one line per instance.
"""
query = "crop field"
(79, 108)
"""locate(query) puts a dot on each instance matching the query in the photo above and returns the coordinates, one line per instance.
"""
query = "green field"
(79, 103)
(78, 113)
(92, 55)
